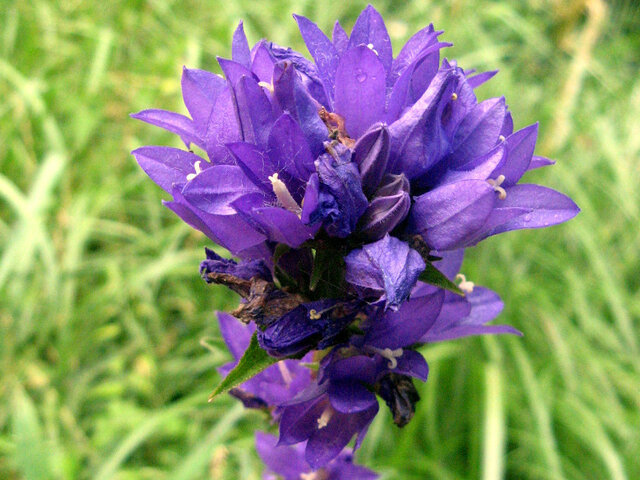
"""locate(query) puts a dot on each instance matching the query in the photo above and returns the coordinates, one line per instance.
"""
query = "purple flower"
(340, 183)
(289, 462)
(275, 385)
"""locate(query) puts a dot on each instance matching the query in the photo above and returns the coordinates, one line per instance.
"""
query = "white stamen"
(502, 193)
(501, 138)
(391, 355)
(370, 47)
(465, 285)
(314, 315)
(267, 85)
(324, 418)
(284, 371)
(454, 96)
(196, 167)
(317, 475)
(283, 195)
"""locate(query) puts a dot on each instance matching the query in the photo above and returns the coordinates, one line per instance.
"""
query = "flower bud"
(372, 154)
(390, 205)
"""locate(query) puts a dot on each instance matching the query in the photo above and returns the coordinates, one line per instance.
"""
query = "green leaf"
(433, 276)
(253, 361)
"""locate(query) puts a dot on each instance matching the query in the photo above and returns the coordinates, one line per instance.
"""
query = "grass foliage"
(108, 343)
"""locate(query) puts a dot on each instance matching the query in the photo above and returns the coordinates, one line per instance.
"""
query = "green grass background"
(108, 342)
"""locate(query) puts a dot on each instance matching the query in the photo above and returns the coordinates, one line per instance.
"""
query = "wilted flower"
(348, 186)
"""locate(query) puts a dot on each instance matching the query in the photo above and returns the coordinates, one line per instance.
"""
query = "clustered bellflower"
(342, 185)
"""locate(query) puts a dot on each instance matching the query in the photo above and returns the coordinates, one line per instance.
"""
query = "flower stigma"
(324, 418)
(284, 371)
(267, 85)
(196, 167)
(283, 195)
(465, 285)
(502, 193)
(391, 355)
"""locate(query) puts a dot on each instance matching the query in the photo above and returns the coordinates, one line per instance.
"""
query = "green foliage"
(108, 341)
(253, 361)
(433, 276)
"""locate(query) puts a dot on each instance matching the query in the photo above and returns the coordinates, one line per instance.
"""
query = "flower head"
(348, 185)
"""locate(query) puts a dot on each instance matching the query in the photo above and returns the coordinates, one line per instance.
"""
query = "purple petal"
(371, 154)
(416, 137)
(547, 206)
(322, 51)
(413, 81)
(449, 215)
(388, 208)
(326, 443)
(450, 263)
(369, 29)
(481, 78)
(263, 63)
(284, 460)
(246, 270)
(278, 224)
(412, 50)
(340, 38)
(255, 164)
(234, 71)
(387, 266)
(200, 90)
(483, 167)
(295, 99)
(360, 75)
(288, 149)
(507, 125)
(229, 231)
(479, 131)
(539, 162)
(240, 47)
(167, 166)
(214, 189)
(173, 122)
(404, 327)
(235, 334)
(520, 146)
(223, 128)
(413, 364)
(255, 111)
(299, 422)
(350, 396)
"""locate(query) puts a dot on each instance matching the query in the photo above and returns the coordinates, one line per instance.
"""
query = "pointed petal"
(167, 166)
(255, 164)
(479, 131)
(539, 162)
(481, 78)
(412, 50)
(240, 47)
(340, 38)
(447, 216)
(371, 154)
(223, 128)
(369, 29)
(288, 148)
(388, 266)
(406, 326)
(200, 90)
(360, 75)
(173, 122)
(214, 189)
(255, 111)
(322, 51)
(547, 206)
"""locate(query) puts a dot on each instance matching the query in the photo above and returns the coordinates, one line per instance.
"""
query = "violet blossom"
(336, 208)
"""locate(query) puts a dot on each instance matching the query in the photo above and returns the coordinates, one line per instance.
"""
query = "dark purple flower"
(289, 462)
(275, 385)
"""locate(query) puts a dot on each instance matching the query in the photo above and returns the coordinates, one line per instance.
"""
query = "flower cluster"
(348, 188)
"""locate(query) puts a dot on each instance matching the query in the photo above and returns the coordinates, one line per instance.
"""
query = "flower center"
(267, 85)
(465, 285)
(196, 167)
(324, 418)
(284, 371)
(283, 195)
(391, 355)
(495, 183)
